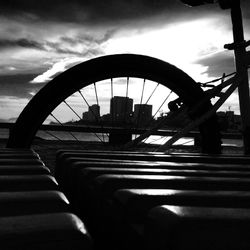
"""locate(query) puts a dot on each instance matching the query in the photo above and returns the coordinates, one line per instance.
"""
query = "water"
(4, 134)
(95, 137)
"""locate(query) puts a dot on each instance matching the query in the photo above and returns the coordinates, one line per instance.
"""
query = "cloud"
(86, 10)
(79, 48)
(96, 12)
(55, 70)
(18, 86)
(38, 54)
(65, 45)
(23, 42)
(83, 46)
(218, 63)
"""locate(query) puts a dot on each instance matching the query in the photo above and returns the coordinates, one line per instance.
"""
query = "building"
(106, 118)
(142, 114)
(229, 121)
(93, 114)
(121, 109)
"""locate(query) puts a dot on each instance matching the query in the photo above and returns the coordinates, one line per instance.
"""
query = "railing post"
(241, 67)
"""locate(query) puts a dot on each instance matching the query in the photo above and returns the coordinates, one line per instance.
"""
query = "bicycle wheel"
(123, 66)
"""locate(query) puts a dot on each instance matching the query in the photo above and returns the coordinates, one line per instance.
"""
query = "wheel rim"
(91, 73)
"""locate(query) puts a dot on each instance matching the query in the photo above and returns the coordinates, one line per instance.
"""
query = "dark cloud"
(85, 53)
(218, 63)
(109, 9)
(65, 45)
(89, 43)
(96, 11)
(60, 48)
(23, 42)
(18, 85)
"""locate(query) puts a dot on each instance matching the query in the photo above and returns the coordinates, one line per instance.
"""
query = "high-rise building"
(93, 114)
(121, 109)
(142, 114)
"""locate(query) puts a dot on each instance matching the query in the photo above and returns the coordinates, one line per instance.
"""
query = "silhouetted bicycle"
(181, 108)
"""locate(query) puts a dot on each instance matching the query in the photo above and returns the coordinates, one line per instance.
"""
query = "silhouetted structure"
(121, 109)
(142, 114)
(229, 121)
(93, 114)
(106, 118)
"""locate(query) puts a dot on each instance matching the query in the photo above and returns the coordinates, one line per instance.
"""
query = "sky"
(40, 39)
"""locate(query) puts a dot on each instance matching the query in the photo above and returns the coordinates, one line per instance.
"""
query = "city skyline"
(121, 109)
(228, 120)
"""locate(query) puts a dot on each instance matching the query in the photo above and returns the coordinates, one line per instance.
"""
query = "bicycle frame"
(233, 82)
(242, 60)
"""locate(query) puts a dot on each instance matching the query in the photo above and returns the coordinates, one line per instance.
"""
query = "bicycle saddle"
(224, 4)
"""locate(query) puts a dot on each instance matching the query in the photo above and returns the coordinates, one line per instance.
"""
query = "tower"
(121, 109)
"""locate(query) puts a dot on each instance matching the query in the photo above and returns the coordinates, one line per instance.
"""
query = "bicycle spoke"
(97, 102)
(63, 126)
(112, 96)
(150, 96)
(79, 91)
(142, 93)
(88, 104)
(96, 95)
(164, 101)
(86, 144)
(139, 112)
(152, 93)
(52, 135)
(170, 93)
(72, 109)
(126, 101)
(78, 115)
(127, 87)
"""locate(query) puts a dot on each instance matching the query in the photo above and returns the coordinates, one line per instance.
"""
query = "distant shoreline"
(46, 144)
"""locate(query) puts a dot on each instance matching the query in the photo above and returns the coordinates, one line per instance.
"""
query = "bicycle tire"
(105, 67)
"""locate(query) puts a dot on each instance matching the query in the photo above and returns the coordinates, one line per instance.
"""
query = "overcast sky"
(39, 39)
